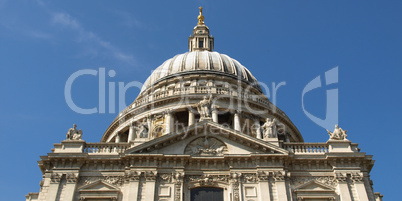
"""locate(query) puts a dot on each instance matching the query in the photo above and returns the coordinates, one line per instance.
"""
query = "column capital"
(55, 178)
(341, 177)
(279, 175)
(262, 176)
(150, 176)
(168, 112)
(357, 177)
(132, 176)
(72, 178)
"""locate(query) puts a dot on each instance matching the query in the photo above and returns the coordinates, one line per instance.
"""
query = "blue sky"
(43, 42)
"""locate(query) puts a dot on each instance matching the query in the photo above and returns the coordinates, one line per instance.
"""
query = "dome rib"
(205, 61)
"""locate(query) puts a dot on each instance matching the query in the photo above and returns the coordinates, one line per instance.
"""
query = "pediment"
(99, 186)
(314, 186)
(193, 140)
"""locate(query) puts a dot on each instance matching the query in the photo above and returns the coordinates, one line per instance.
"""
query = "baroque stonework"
(329, 181)
(206, 179)
(206, 146)
(114, 180)
(202, 122)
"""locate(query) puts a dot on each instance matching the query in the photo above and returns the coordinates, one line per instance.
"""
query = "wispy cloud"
(39, 34)
(84, 36)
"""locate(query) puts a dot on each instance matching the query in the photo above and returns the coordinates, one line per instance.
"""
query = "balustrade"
(105, 148)
(306, 148)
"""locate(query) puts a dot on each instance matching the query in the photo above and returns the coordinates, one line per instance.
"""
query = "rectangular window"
(200, 43)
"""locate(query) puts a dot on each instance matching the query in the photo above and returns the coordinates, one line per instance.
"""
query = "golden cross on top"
(200, 17)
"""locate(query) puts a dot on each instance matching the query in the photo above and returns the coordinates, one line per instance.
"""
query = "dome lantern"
(201, 40)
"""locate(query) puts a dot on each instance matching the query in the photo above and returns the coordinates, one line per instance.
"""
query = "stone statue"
(143, 129)
(204, 107)
(74, 134)
(269, 128)
(338, 134)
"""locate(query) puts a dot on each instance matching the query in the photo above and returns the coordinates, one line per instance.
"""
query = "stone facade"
(201, 120)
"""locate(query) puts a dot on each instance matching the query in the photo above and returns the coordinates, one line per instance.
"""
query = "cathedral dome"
(201, 62)
(197, 87)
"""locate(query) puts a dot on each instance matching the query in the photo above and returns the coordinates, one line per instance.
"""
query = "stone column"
(117, 140)
(131, 133)
(150, 178)
(343, 187)
(237, 121)
(214, 114)
(71, 185)
(280, 184)
(191, 117)
(131, 187)
(359, 186)
(168, 126)
(257, 128)
(149, 122)
(263, 184)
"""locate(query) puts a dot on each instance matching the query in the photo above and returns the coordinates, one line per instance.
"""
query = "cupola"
(201, 40)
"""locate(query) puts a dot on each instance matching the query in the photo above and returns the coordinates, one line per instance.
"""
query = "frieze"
(329, 181)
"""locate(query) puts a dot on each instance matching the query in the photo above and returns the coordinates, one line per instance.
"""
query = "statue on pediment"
(204, 107)
(143, 129)
(338, 134)
(269, 128)
(74, 134)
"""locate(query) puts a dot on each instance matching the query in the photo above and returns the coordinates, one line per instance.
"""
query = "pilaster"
(132, 180)
(263, 186)
(359, 186)
(71, 185)
(150, 181)
(280, 183)
(343, 187)
(53, 188)
(178, 186)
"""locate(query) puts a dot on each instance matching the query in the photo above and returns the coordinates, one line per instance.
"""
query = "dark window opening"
(206, 194)
(201, 43)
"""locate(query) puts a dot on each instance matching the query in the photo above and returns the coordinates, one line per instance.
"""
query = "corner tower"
(200, 40)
